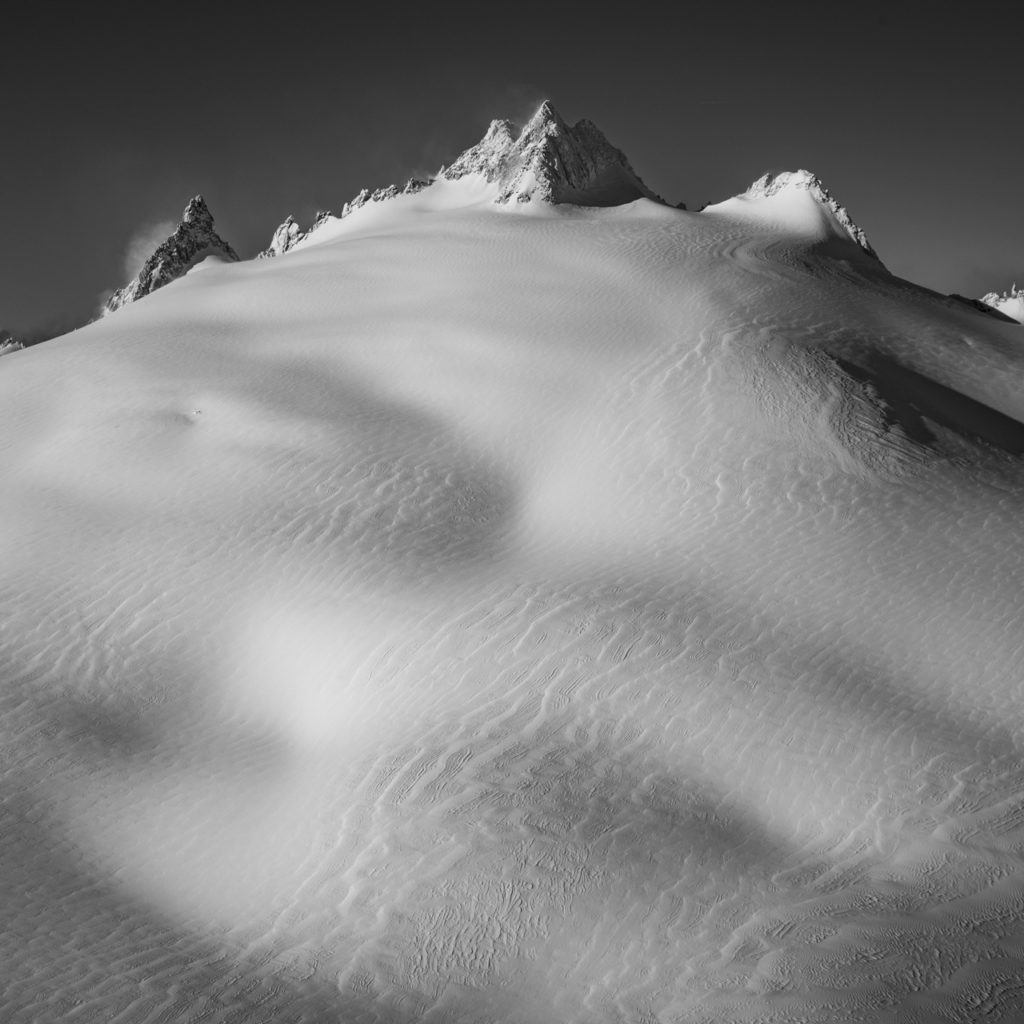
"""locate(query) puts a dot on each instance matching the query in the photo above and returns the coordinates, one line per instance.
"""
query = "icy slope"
(516, 613)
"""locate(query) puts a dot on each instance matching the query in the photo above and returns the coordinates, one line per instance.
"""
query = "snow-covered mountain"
(545, 159)
(191, 242)
(796, 196)
(553, 162)
(1010, 303)
(518, 611)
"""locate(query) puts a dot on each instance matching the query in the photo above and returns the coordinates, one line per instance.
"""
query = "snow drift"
(519, 612)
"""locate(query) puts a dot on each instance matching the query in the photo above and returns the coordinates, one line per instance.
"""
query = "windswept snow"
(517, 613)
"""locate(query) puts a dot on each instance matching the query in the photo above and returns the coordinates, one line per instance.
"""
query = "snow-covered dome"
(797, 201)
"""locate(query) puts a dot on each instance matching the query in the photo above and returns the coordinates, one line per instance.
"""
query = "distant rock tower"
(192, 241)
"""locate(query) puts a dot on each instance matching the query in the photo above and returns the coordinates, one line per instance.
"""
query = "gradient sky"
(109, 126)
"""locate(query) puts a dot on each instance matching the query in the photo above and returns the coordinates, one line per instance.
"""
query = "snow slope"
(517, 613)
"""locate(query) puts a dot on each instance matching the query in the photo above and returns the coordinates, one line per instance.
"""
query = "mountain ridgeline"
(546, 160)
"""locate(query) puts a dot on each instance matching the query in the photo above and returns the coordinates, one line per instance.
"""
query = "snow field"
(481, 614)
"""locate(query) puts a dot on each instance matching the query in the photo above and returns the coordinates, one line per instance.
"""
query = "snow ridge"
(289, 233)
(546, 160)
(192, 241)
(771, 184)
(1010, 303)
(553, 162)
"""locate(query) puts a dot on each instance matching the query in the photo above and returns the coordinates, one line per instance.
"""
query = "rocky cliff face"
(289, 233)
(550, 161)
(192, 241)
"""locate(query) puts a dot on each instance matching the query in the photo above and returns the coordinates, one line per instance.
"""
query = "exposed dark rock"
(192, 241)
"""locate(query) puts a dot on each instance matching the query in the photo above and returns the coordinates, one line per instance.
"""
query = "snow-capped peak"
(192, 241)
(1010, 303)
(767, 197)
(553, 162)
(545, 159)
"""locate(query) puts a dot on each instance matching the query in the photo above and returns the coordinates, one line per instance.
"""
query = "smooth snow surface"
(531, 615)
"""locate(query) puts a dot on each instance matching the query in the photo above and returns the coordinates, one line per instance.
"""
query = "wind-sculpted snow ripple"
(511, 617)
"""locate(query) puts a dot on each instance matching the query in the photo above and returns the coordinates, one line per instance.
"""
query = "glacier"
(574, 609)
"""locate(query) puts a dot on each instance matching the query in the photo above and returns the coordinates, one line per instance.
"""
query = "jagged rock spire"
(193, 240)
(553, 162)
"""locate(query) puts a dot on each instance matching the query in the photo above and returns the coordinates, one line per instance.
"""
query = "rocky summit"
(551, 161)
(192, 241)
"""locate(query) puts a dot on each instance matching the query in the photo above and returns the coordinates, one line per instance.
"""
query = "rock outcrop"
(191, 242)
(545, 160)
(289, 233)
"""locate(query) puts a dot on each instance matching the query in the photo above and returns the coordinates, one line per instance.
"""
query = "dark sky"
(109, 124)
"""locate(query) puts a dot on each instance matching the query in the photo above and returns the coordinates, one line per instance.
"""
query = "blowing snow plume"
(523, 611)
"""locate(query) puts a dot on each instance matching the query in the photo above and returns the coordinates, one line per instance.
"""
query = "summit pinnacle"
(192, 241)
(549, 160)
